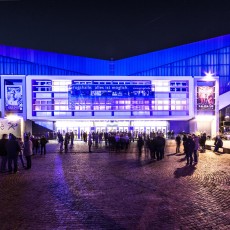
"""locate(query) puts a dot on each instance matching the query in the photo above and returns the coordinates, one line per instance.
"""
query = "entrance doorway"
(137, 127)
(110, 128)
(100, 129)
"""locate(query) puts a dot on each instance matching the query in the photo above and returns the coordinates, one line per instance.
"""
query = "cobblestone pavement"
(109, 190)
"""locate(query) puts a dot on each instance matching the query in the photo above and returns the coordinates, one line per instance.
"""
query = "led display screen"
(109, 91)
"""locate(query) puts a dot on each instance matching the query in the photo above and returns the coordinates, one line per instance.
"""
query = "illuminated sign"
(104, 89)
(109, 92)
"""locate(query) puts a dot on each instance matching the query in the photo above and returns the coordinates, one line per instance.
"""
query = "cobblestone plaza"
(109, 190)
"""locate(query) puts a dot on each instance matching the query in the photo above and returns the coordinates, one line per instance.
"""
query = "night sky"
(110, 29)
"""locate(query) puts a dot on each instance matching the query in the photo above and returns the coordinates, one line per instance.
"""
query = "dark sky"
(110, 29)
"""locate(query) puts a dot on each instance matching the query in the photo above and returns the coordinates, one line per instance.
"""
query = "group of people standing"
(191, 143)
(154, 145)
(39, 144)
(13, 149)
(64, 141)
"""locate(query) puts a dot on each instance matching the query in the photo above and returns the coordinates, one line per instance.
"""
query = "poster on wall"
(7, 127)
(13, 98)
(206, 98)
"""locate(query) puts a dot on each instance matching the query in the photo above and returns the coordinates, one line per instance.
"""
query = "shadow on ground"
(187, 170)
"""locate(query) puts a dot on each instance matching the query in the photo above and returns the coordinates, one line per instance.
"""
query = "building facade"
(159, 91)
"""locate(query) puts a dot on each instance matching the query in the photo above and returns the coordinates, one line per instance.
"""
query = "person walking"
(28, 151)
(12, 149)
(3, 152)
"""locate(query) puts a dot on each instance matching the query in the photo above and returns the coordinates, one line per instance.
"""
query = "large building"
(184, 88)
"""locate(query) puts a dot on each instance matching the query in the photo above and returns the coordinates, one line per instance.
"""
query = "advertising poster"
(7, 127)
(13, 98)
(205, 98)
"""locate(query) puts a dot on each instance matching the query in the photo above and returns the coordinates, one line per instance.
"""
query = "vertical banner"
(206, 98)
(13, 96)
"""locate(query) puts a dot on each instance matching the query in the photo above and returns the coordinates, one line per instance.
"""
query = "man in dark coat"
(184, 139)
(160, 146)
(203, 139)
(178, 143)
(189, 146)
(12, 149)
(153, 147)
(3, 152)
(140, 143)
(43, 142)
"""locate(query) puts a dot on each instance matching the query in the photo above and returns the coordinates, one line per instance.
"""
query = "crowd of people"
(153, 143)
(13, 149)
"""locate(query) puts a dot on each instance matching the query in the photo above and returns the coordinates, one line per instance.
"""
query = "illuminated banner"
(13, 96)
(206, 98)
(112, 93)
(103, 89)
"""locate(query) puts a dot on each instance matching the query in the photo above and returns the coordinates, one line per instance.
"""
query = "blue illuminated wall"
(187, 60)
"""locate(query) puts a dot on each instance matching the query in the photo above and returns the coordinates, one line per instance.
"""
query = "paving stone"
(109, 190)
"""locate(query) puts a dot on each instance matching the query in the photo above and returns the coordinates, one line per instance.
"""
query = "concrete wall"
(204, 127)
(28, 126)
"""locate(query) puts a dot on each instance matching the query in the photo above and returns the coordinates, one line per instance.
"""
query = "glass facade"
(217, 62)
(194, 59)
